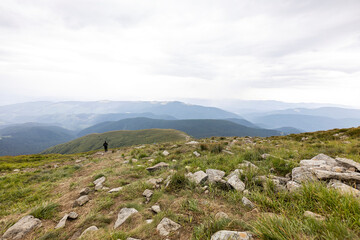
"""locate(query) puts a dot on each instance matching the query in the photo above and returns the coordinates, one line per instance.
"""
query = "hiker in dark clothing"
(105, 146)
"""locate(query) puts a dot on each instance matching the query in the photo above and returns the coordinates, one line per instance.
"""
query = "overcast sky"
(293, 51)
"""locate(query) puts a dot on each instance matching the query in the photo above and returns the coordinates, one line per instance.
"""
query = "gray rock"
(227, 152)
(302, 174)
(230, 235)
(156, 208)
(165, 153)
(99, 180)
(265, 156)
(89, 229)
(312, 163)
(118, 189)
(148, 221)
(322, 157)
(158, 166)
(221, 215)
(81, 200)
(148, 194)
(62, 222)
(214, 174)
(236, 172)
(343, 188)
(124, 214)
(196, 154)
(236, 183)
(348, 176)
(314, 216)
(155, 182)
(20, 229)
(247, 202)
(130, 238)
(348, 163)
(192, 143)
(73, 215)
(198, 177)
(166, 226)
(247, 164)
(84, 191)
(292, 186)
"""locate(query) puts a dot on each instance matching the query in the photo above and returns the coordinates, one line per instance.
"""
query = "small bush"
(178, 181)
(45, 211)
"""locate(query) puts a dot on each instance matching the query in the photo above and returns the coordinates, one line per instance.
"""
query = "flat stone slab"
(124, 214)
(62, 222)
(230, 235)
(348, 163)
(20, 229)
(99, 180)
(118, 189)
(158, 166)
(166, 226)
(343, 188)
(347, 176)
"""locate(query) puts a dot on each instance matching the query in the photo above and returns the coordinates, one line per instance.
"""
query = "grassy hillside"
(31, 138)
(198, 128)
(46, 187)
(117, 139)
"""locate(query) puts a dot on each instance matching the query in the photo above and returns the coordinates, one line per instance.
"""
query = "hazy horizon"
(289, 51)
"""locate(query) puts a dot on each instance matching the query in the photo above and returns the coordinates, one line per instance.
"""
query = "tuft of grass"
(45, 210)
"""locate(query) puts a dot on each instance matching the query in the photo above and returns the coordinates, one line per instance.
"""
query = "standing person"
(105, 146)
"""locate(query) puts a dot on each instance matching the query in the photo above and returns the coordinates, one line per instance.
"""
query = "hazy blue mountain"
(76, 115)
(198, 128)
(31, 138)
(289, 130)
(305, 122)
(331, 112)
(243, 122)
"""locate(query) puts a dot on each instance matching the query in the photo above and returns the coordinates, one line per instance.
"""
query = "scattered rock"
(214, 174)
(196, 154)
(148, 194)
(314, 215)
(99, 183)
(84, 191)
(192, 143)
(155, 182)
(236, 172)
(236, 183)
(292, 186)
(302, 174)
(130, 238)
(89, 229)
(198, 177)
(118, 189)
(247, 202)
(165, 153)
(148, 221)
(156, 208)
(221, 215)
(247, 164)
(78, 161)
(81, 200)
(62, 222)
(230, 235)
(124, 214)
(166, 226)
(343, 188)
(16, 170)
(73, 215)
(265, 156)
(158, 166)
(227, 152)
(20, 229)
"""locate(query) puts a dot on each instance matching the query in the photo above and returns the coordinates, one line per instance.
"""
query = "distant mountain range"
(117, 139)
(198, 128)
(31, 138)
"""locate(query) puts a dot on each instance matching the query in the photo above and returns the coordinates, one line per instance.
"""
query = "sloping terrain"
(31, 138)
(117, 139)
(198, 128)
(277, 202)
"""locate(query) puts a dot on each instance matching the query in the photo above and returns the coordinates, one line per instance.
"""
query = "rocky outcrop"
(124, 214)
(230, 235)
(23, 227)
(166, 226)
(214, 175)
(198, 177)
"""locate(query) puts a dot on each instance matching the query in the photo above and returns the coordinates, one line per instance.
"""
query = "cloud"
(139, 49)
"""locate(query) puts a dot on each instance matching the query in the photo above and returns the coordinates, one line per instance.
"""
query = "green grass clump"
(45, 210)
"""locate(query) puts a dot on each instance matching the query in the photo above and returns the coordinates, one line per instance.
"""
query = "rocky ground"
(219, 189)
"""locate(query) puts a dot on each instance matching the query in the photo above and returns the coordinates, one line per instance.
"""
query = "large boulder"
(124, 214)
(230, 235)
(214, 175)
(166, 226)
(20, 229)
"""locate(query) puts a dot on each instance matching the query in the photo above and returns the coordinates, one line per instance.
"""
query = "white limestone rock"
(166, 226)
(123, 215)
